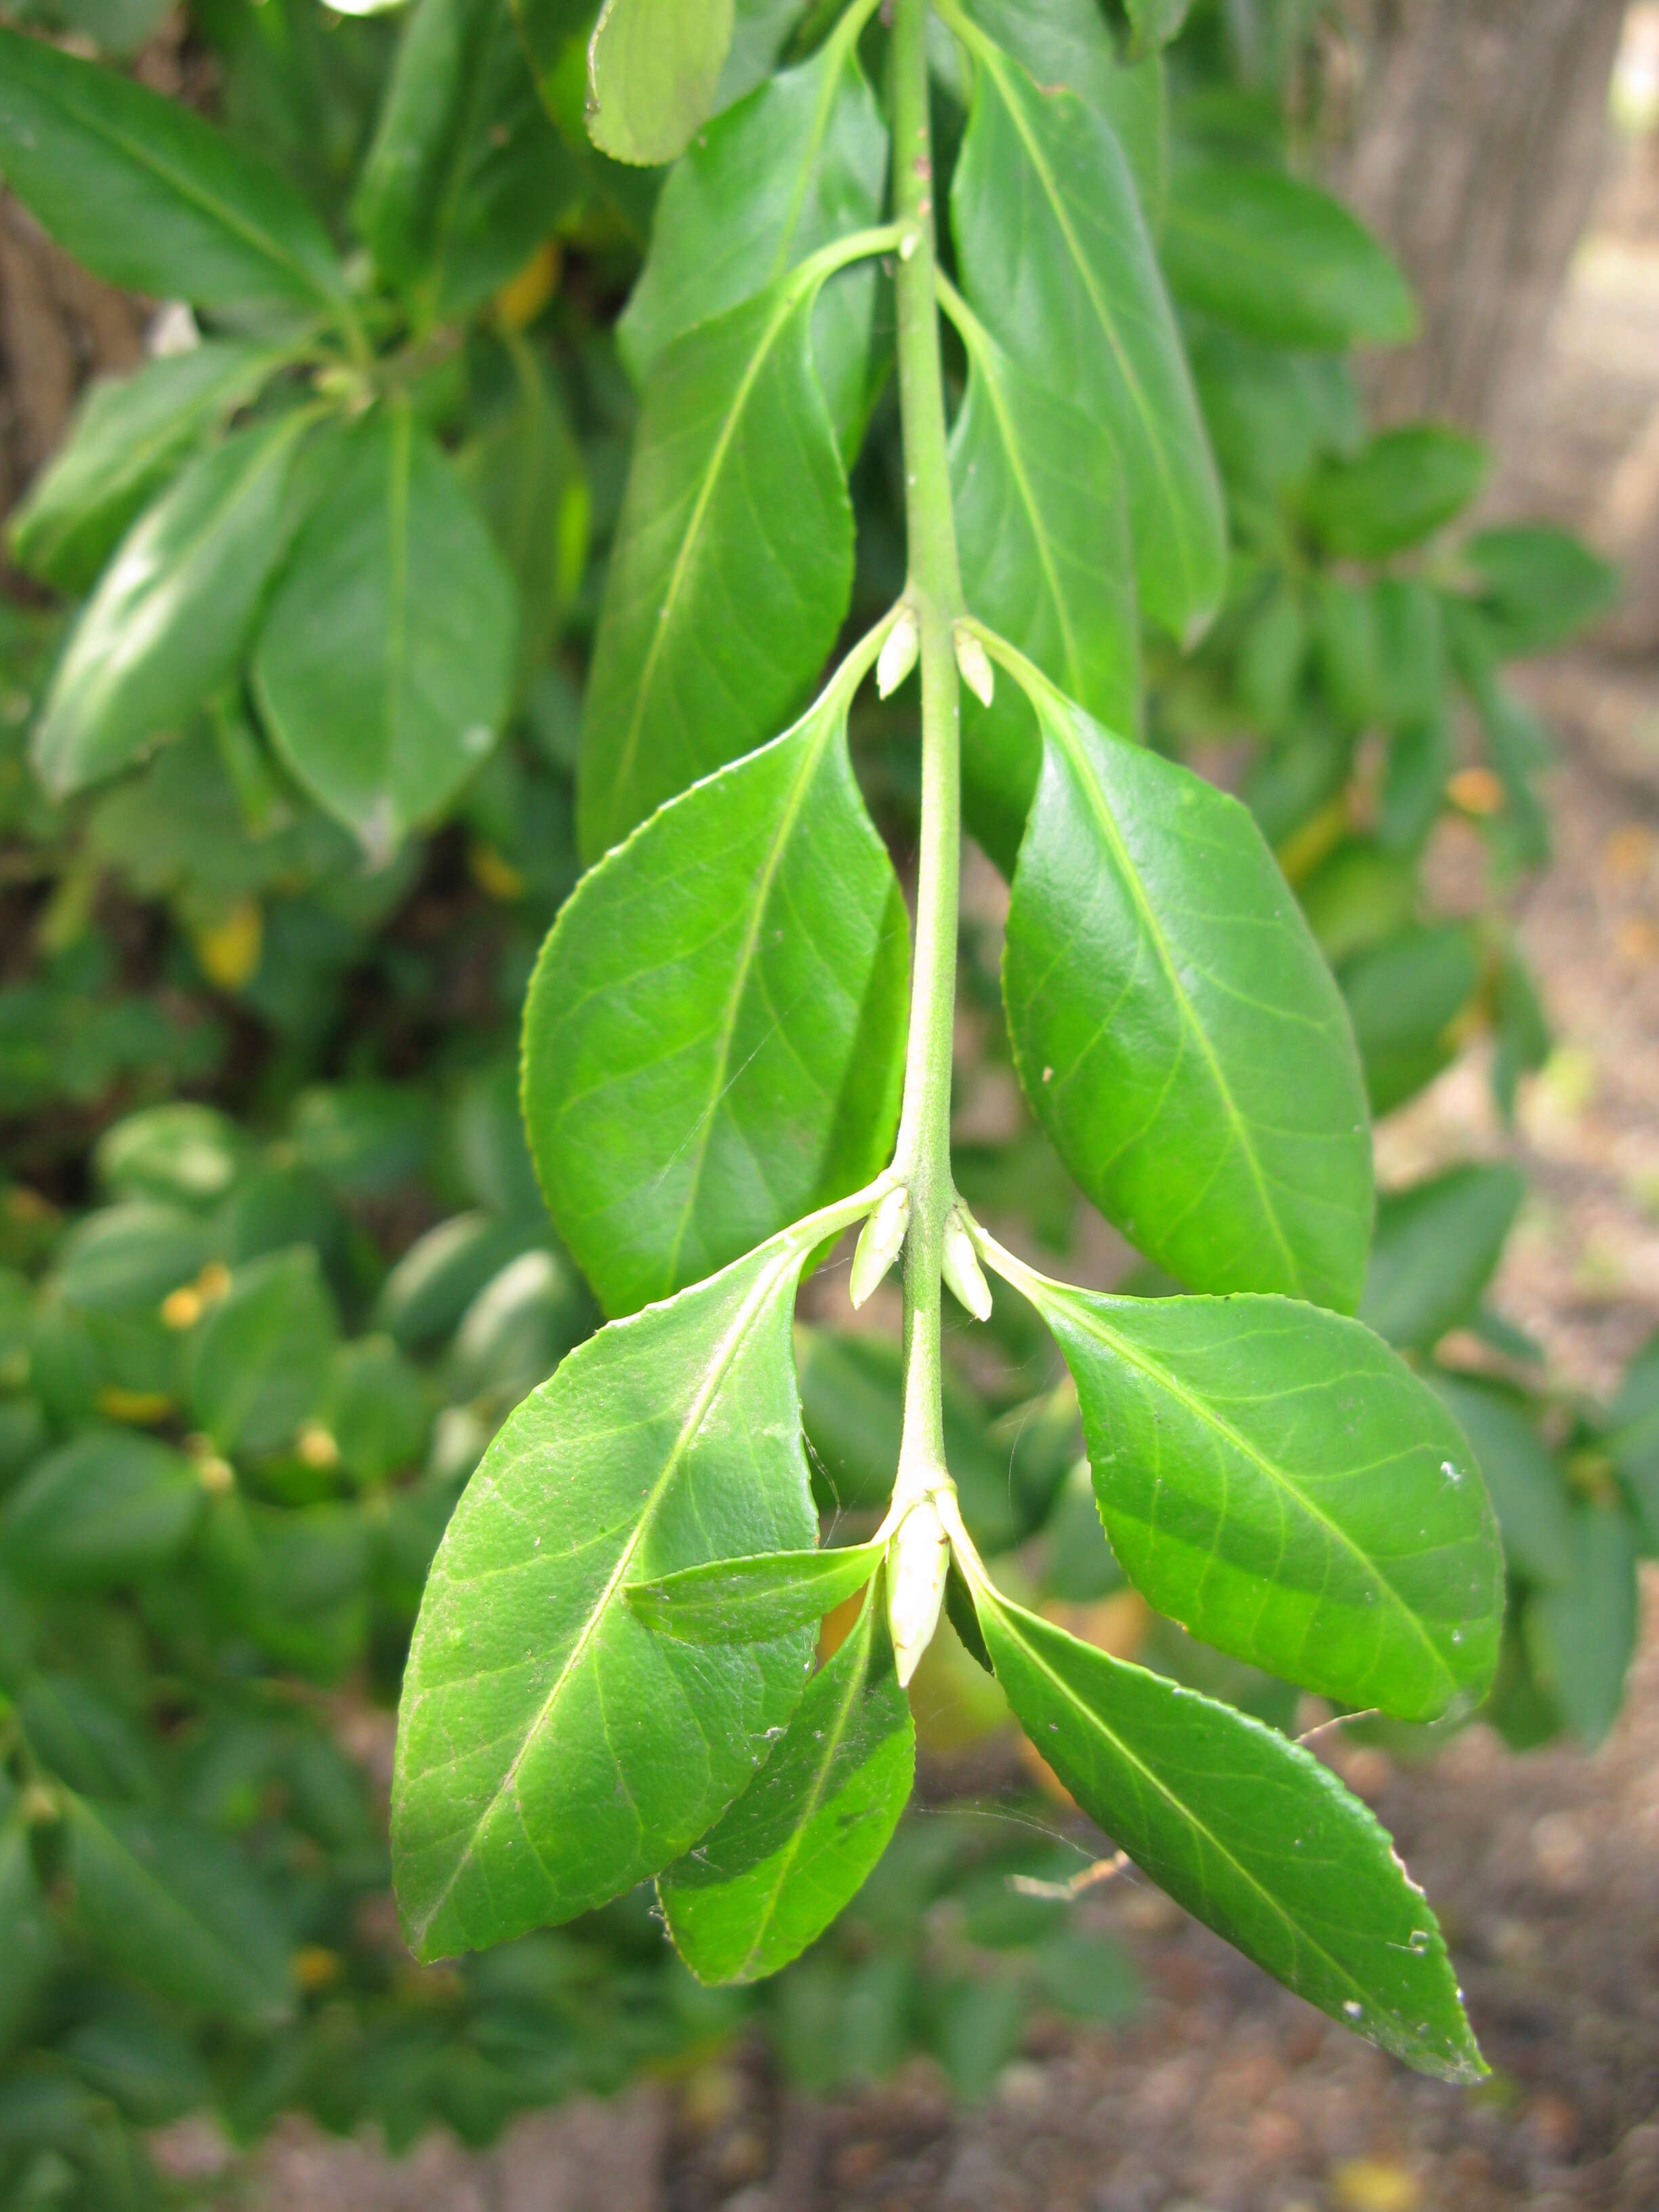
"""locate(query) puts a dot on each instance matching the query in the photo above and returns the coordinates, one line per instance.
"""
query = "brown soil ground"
(1225, 2095)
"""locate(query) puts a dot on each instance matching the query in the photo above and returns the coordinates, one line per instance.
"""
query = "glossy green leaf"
(1437, 1244)
(260, 1358)
(1068, 42)
(1248, 1832)
(651, 74)
(1581, 1631)
(552, 1751)
(151, 196)
(800, 163)
(751, 1600)
(1043, 523)
(1276, 1479)
(168, 621)
(1057, 263)
(1527, 1488)
(1537, 585)
(798, 1845)
(1280, 262)
(1176, 1030)
(467, 174)
(128, 437)
(174, 1905)
(1406, 997)
(1394, 494)
(385, 662)
(109, 1507)
(722, 600)
(714, 1034)
(760, 31)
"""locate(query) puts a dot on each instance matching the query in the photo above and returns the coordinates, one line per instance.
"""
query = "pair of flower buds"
(923, 1517)
(898, 657)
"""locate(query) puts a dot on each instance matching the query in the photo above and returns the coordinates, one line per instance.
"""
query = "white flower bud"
(975, 665)
(960, 1266)
(918, 1562)
(898, 655)
(878, 1246)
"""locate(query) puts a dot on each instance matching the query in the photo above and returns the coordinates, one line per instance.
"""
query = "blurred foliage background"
(273, 1264)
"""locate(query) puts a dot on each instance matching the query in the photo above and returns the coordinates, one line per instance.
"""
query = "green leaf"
(1279, 1482)
(467, 174)
(1176, 1030)
(181, 1150)
(260, 1357)
(652, 73)
(1581, 1632)
(1246, 1830)
(799, 1843)
(714, 1034)
(128, 1257)
(1058, 265)
(1395, 493)
(1634, 1438)
(174, 1905)
(552, 1751)
(129, 436)
(168, 621)
(760, 31)
(75, 1732)
(722, 600)
(1068, 42)
(28, 1942)
(151, 197)
(385, 662)
(1527, 1488)
(752, 1601)
(111, 1507)
(1438, 1242)
(438, 1278)
(801, 162)
(1537, 585)
(1043, 524)
(1155, 22)
(1406, 997)
(1280, 262)
(524, 475)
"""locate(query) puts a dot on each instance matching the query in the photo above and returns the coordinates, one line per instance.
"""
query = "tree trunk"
(1480, 143)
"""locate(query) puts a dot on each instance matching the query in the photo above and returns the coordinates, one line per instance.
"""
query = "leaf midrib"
(1070, 743)
(833, 1737)
(1183, 1811)
(817, 744)
(788, 301)
(991, 57)
(983, 362)
(766, 1282)
(144, 157)
(1208, 1417)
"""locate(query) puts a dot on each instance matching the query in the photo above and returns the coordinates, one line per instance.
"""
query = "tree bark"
(1480, 144)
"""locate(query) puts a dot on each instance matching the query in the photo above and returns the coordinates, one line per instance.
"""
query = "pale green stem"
(923, 1157)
